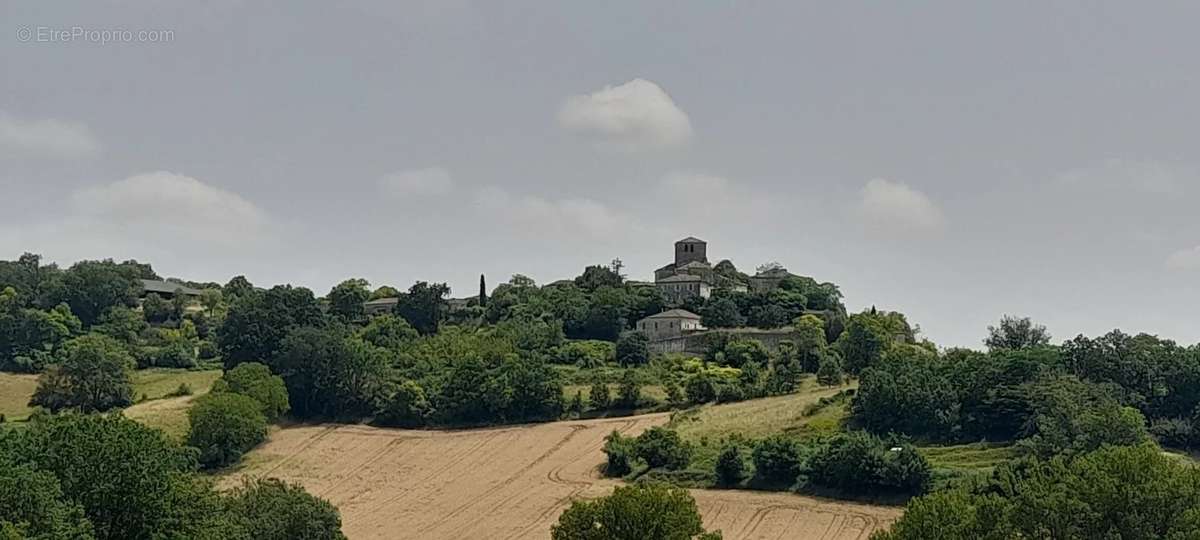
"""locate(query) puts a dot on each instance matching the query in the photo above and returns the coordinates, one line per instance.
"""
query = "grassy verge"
(15, 391)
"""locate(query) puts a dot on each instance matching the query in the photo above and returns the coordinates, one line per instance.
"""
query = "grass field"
(169, 414)
(15, 391)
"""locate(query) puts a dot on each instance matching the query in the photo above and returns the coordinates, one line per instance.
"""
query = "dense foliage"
(1133, 493)
(224, 426)
(637, 512)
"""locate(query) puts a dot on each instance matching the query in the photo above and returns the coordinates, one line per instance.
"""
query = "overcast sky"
(951, 160)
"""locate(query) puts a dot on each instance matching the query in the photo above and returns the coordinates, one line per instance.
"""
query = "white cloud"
(561, 217)
(164, 202)
(417, 182)
(1185, 259)
(1145, 176)
(634, 116)
(894, 206)
(48, 138)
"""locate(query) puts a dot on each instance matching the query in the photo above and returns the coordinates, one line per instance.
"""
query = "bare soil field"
(509, 482)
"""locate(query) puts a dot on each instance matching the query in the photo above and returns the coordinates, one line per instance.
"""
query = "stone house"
(678, 288)
(670, 323)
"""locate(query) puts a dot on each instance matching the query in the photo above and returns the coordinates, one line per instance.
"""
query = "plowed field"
(509, 482)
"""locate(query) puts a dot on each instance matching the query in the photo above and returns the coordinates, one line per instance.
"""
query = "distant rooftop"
(680, 278)
(691, 240)
(166, 287)
(675, 314)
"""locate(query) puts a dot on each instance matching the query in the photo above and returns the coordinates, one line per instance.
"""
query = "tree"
(238, 287)
(92, 287)
(120, 472)
(407, 407)
(224, 426)
(863, 343)
(859, 462)
(211, 299)
(721, 313)
(597, 276)
(385, 291)
(1133, 493)
(28, 336)
(94, 376)
(329, 373)
(830, 371)
(632, 349)
(700, 388)
(635, 512)
(423, 306)
(598, 397)
(1071, 416)
(482, 292)
(257, 322)
(1016, 333)
(730, 467)
(32, 502)
(810, 342)
(388, 331)
(274, 510)
(256, 381)
(906, 392)
(346, 299)
(662, 447)
(629, 393)
(777, 460)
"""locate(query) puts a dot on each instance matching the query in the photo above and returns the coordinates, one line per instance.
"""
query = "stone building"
(670, 323)
(689, 276)
(678, 288)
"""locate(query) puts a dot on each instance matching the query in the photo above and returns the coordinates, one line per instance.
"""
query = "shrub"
(585, 353)
(730, 393)
(630, 392)
(182, 390)
(675, 395)
(701, 388)
(598, 396)
(636, 512)
(730, 468)
(176, 354)
(859, 462)
(207, 350)
(777, 460)
(407, 406)
(662, 447)
(94, 376)
(224, 426)
(274, 510)
(632, 349)
(256, 381)
(829, 372)
(1173, 432)
(620, 452)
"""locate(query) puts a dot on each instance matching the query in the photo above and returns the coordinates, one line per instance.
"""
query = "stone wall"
(697, 342)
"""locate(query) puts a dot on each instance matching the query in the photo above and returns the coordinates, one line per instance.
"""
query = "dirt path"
(509, 482)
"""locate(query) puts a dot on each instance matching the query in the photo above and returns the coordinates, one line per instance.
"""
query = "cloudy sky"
(951, 160)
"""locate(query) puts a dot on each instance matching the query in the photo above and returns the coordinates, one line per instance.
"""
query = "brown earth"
(510, 482)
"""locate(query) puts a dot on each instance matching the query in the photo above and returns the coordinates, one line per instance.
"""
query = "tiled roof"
(674, 314)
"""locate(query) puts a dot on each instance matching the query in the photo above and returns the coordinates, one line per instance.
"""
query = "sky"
(956, 161)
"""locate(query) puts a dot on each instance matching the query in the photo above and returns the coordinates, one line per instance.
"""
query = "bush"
(777, 460)
(859, 462)
(637, 512)
(630, 392)
(224, 426)
(585, 353)
(598, 397)
(730, 393)
(182, 390)
(274, 510)
(1173, 432)
(662, 447)
(620, 452)
(701, 388)
(207, 350)
(829, 372)
(730, 468)
(632, 349)
(176, 354)
(256, 381)
(407, 406)
(94, 376)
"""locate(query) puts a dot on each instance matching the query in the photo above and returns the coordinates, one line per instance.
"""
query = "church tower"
(690, 249)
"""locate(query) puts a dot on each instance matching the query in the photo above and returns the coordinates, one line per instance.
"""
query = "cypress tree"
(482, 292)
